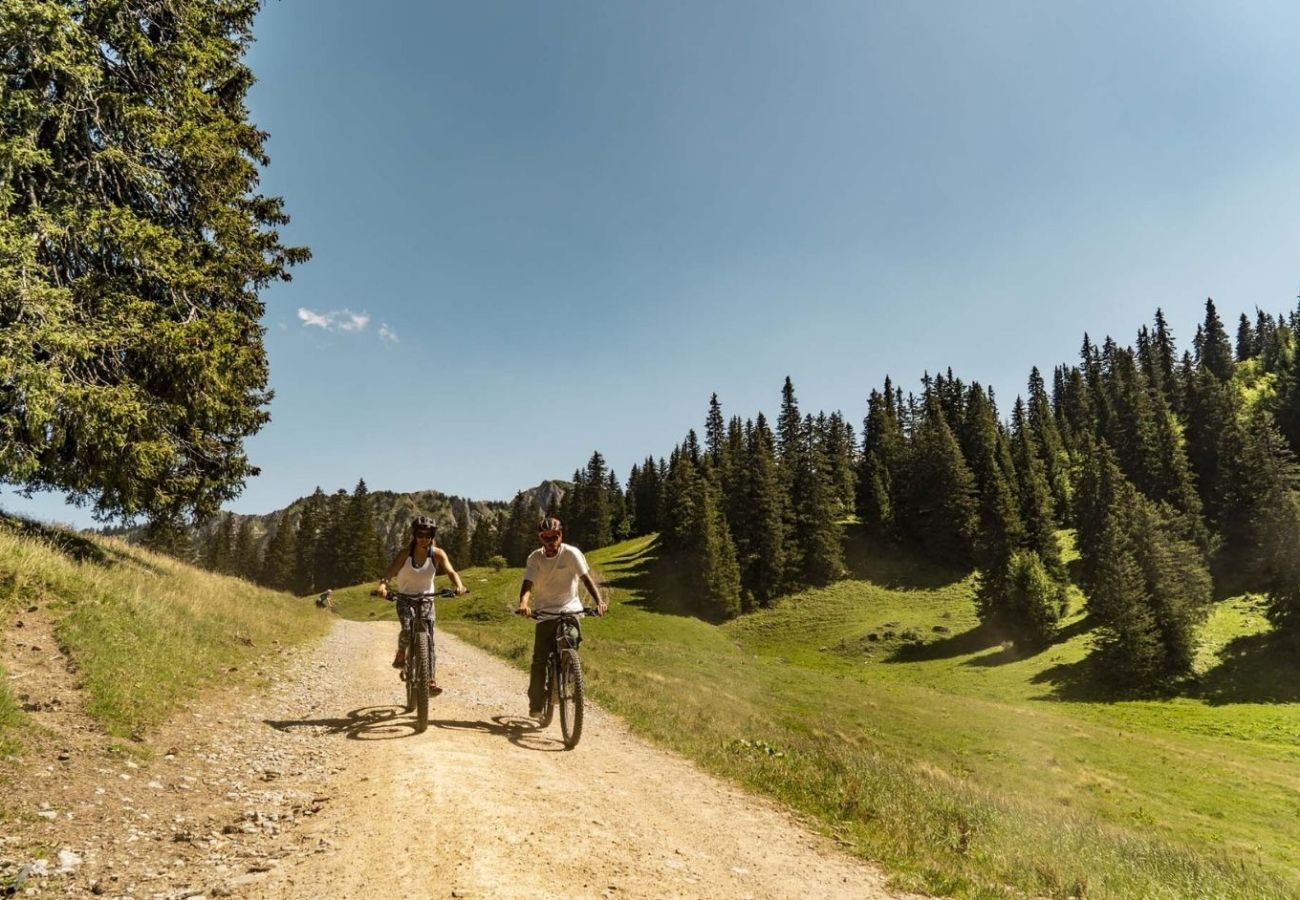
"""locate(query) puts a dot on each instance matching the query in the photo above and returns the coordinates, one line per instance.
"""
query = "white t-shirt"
(555, 579)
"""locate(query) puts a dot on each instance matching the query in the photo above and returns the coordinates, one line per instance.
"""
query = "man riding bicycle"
(414, 568)
(551, 583)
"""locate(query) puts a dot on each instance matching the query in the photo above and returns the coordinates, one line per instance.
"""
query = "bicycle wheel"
(408, 677)
(570, 698)
(548, 707)
(421, 678)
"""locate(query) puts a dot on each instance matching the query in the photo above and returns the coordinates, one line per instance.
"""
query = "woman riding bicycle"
(414, 569)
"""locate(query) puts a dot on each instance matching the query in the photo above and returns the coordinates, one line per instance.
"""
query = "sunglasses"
(550, 537)
(425, 534)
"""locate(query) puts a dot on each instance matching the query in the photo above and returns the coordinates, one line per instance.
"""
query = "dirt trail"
(318, 786)
(484, 805)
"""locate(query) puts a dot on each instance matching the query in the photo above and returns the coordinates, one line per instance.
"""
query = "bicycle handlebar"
(545, 616)
(426, 595)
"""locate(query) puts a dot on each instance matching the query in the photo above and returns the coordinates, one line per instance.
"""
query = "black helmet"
(424, 525)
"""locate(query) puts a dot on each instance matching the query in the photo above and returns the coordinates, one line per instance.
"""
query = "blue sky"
(551, 228)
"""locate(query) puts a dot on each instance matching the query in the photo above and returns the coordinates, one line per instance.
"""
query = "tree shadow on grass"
(76, 546)
(70, 543)
(1253, 668)
(1011, 652)
(981, 637)
(891, 565)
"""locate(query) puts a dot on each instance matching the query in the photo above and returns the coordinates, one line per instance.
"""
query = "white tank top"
(417, 579)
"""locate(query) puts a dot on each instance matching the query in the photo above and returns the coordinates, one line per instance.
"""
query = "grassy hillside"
(878, 706)
(143, 632)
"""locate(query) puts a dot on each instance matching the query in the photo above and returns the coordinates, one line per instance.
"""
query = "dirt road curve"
(484, 805)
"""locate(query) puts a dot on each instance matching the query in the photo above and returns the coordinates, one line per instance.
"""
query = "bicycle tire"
(421, 651)
(571, 698)
(548, 706)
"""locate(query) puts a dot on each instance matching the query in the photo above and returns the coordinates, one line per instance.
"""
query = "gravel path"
(320, 787)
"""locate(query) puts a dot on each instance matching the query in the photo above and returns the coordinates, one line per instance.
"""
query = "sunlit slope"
(966, 769)
(143, 633)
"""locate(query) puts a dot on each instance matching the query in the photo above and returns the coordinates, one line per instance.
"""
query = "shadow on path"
(517, 730)
(369, 723)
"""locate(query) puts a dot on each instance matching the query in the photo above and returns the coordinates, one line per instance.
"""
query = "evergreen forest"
(1176, 469)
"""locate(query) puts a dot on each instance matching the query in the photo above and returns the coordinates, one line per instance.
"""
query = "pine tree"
(133, 246)
(245, 562)
(1127, 642)
(1050, 447)
(1215, 352)
(1247, 347)
(331, 568)
(311, 530)
(1213, 436)
(837, 440)
(882, 462)
(458, 546)
(938, 510)
(764, 564)
(714, 431)
(646, 500)
(1036, 513)
(594, 504)
(357, 554)
(1274, 476)
(697, 548)
(279, 559)
(1147, 586)
(220, 553)
(792, 466)
(818, 514)
(1165, 354)
(483, 544)
(518, 534)
(620, 527)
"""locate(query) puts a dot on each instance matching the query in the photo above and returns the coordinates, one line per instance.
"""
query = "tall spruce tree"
(1147, 586)
(458, 545)
(595, 504)
(245, 561)
(1215, 354)
(1036, 513)
(518, 534)
(331, 565)
(820, 508)
(1050, 447)
(311, 529)
(764, 564)
(938, 511)
(278, 563)
(1274, 477)
(483, 544)
(133, 246)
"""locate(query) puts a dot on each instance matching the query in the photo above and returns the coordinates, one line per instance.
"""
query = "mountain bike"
(418, 670)
(564, 675)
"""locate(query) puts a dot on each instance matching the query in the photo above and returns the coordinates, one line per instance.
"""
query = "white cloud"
(387, 334)
(335, 320)
(310, 318)
(354, 321)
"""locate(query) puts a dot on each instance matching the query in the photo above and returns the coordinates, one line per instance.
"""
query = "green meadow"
(145, 635)
(880, 710)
